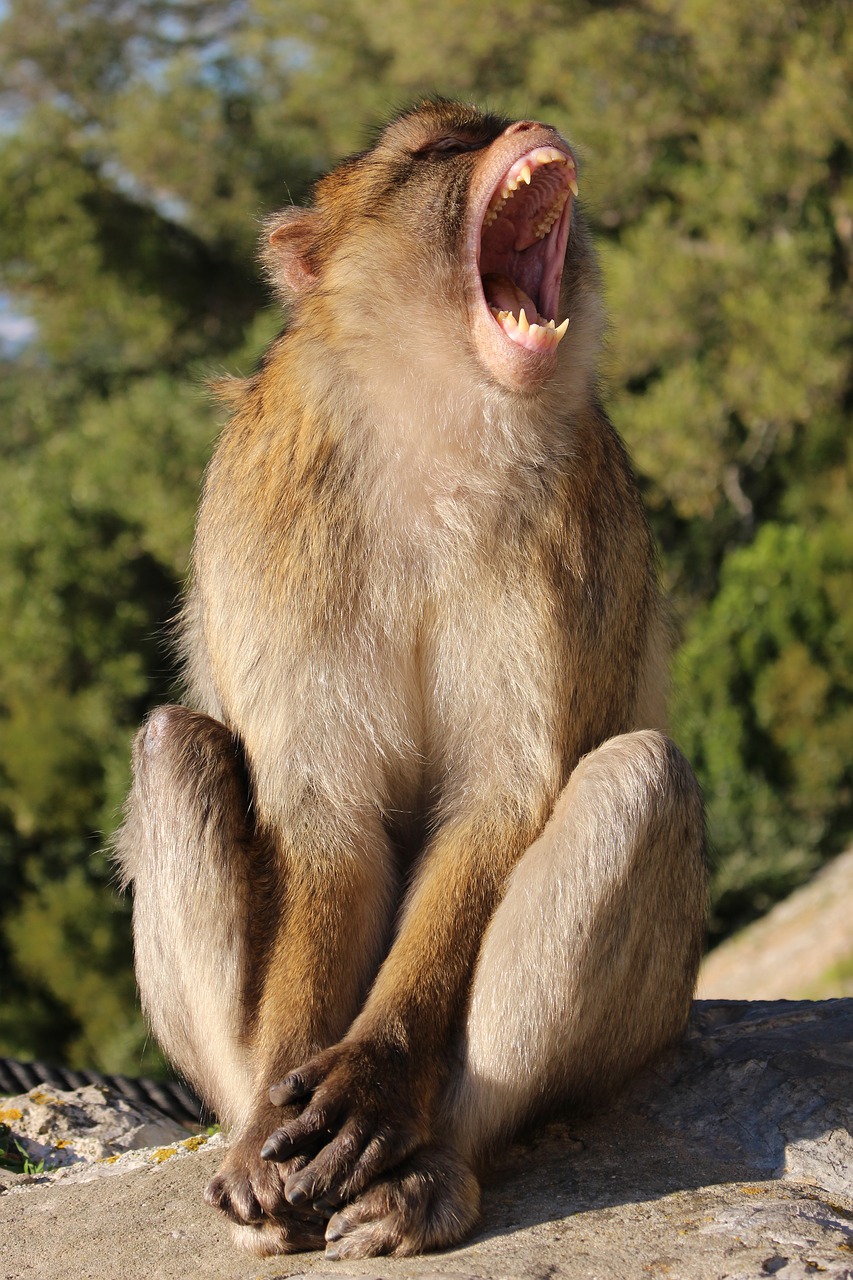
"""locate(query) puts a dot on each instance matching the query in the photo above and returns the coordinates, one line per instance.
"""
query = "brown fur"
(425, 866)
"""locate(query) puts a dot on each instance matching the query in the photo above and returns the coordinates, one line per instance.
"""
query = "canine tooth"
(573, 187)
(525, 174)
(561, 330)
(523, 322)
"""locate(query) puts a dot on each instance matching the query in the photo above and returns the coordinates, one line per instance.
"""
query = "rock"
(769, 1084)
(733, 1159)
(84, 1133)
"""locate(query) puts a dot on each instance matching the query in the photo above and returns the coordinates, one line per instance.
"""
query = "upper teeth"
(522, 172)
(550, 215)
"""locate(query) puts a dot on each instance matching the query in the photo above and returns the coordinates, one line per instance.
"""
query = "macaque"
(416, 864)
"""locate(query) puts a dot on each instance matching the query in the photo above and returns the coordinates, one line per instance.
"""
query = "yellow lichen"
(193, 1144)
(37, 1096)
(10, 1113)
(163, 1154)
(110, 1159)
(62, 1142)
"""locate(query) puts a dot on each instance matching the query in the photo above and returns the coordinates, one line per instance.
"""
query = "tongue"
(502, 293)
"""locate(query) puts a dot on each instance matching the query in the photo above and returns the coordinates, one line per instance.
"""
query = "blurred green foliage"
(140, 143)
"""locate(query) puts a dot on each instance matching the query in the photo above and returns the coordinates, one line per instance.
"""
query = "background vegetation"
(139, 143)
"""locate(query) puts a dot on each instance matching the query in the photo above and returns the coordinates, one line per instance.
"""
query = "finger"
(356, 1233)
(353, 1216)
(235, 1198)
(297, 1085)
(328, 1170)
(291, 1138)
(381, 1152)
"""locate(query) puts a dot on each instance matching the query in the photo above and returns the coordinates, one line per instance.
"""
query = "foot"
(250, 1192)
(430, 1202)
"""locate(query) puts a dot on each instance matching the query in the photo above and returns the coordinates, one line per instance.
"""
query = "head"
(456, 236)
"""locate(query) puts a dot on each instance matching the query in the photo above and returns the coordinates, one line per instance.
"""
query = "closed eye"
(451, 146)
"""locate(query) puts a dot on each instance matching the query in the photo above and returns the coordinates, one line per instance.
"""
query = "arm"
(375, 1092)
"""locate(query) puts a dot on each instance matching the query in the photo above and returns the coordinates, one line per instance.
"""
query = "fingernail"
(295, 1196)
(269, 1150)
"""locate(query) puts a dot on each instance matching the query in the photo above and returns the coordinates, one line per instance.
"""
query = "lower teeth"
(509, 321)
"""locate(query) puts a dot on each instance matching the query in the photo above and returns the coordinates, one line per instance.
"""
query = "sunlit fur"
(440, 819)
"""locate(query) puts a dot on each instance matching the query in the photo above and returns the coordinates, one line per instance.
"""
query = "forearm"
(421, 988)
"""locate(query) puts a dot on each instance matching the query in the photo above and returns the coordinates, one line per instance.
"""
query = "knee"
(160, 729)
(188, 779)
(634, 801)
(647, 752)
(642, 770)
(172, 734)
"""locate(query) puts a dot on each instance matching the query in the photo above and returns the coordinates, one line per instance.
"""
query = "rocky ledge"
(734, 1158)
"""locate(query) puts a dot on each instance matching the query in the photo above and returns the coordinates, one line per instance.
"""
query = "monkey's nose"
(522, 126)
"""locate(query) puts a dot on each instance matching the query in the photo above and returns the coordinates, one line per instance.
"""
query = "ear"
(289, 249)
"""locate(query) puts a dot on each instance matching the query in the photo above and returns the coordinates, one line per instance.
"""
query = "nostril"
(522, 126)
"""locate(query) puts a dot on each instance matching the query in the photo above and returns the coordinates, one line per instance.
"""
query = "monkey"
(416, 864)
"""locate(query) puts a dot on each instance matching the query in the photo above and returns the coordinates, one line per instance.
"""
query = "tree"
(140, 145)
(765, 706)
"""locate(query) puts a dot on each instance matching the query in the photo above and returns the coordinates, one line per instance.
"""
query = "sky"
(15, 330)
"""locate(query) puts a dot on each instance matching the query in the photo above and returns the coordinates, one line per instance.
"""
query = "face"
(463, 220)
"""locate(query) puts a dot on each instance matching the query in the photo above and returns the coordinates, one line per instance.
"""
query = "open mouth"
(523, 244)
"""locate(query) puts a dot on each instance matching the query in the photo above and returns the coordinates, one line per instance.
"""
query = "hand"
(365, 1105)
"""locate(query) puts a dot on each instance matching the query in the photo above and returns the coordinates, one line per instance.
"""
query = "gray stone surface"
(82, 1132)
(732, 1159)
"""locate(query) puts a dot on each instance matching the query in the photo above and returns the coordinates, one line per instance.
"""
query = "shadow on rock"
(757, 1091)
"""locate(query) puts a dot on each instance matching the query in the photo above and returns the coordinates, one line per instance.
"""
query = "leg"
(187, 847)
(250, 954)
(588, 968)
(586, 972)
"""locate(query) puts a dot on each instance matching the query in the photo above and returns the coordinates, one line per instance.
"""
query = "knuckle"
(350, 1144)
